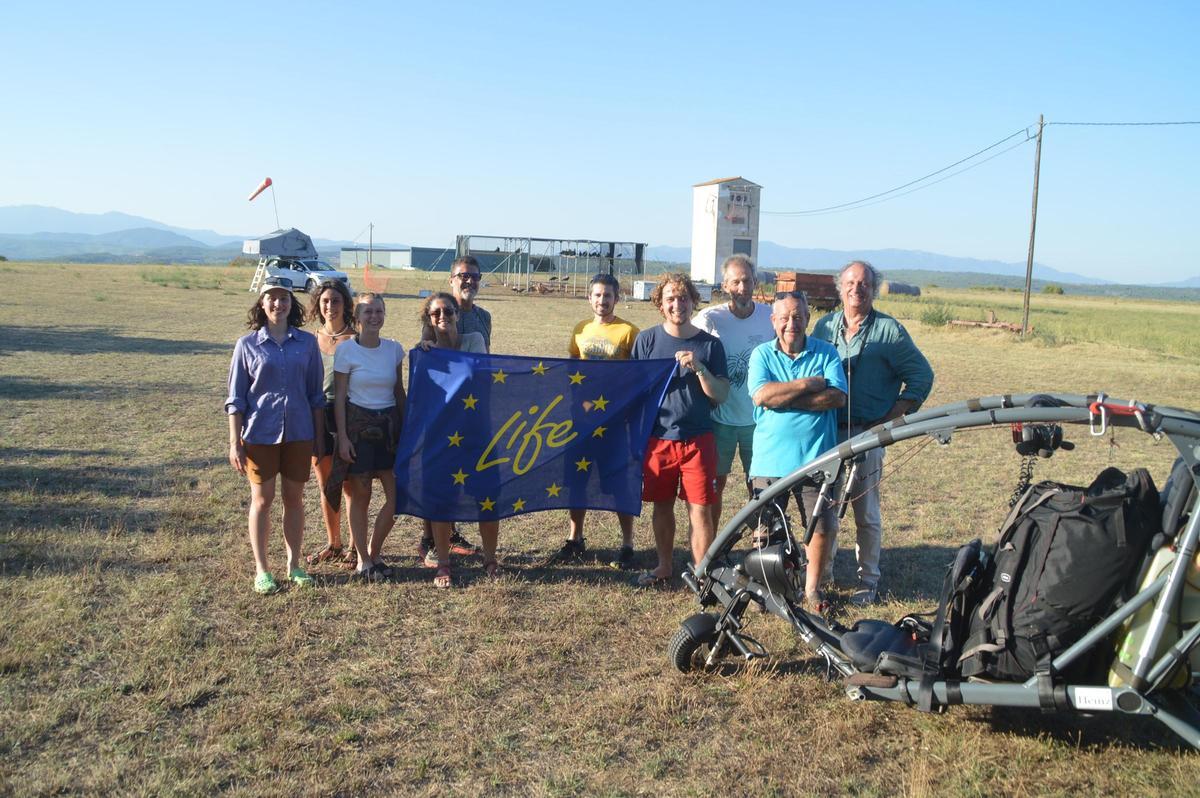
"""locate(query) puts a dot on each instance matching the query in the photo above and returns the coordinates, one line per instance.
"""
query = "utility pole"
(1037, 167)
(371, 243)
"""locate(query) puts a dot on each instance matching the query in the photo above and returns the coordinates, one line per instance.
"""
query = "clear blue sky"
(593, 120)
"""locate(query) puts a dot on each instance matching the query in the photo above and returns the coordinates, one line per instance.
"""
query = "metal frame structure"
(567, 263)
(721, 582)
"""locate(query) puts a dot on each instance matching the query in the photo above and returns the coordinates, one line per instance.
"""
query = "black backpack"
(1063, 556)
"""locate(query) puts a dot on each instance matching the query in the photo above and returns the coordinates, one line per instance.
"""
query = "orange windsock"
(261, 188)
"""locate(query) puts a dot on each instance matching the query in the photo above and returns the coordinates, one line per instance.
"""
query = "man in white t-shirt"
(741, 324)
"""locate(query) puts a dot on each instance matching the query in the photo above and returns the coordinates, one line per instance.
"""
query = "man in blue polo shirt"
(796, 383)
(888, 377)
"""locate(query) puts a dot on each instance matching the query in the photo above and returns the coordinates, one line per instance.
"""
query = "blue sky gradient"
(594, 121)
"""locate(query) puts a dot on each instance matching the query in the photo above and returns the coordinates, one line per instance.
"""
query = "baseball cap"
(274, 282)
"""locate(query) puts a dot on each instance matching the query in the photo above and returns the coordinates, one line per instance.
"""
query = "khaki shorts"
(265, 460)
(730, 438)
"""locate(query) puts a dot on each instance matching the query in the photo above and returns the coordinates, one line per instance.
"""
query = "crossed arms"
(805, 393)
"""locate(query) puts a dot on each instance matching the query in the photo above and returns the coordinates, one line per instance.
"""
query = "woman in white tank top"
(369, 409)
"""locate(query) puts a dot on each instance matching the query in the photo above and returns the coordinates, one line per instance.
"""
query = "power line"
(898, 191)
(1009, 148)
(856, 202)
(1120, 124)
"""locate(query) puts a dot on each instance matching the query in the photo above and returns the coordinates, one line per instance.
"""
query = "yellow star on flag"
(553, 490)
(487, 504)
(576, 378)
(518, 505)
(459, 477)
(499, 376)
(598, 432)
(601, 403)
(539, 369)
(582, 464)
(469, 402)
(455, 439)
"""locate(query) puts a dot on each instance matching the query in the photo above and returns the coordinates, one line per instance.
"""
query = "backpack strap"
(1044, 673)
(933, 652)
(1020, 509)
(931, 664)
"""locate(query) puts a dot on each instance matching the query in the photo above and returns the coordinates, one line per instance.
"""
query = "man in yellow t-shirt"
(603, 337)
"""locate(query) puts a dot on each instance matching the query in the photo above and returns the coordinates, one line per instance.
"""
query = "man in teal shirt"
(887, 377)
(795, 382)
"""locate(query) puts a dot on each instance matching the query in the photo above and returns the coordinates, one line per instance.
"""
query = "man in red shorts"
(681, 456)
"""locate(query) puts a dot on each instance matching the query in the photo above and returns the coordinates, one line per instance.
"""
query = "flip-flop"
(444, 579)
(648, 579)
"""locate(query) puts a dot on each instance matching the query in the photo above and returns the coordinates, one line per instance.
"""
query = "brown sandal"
(324, 555)
(444, 578)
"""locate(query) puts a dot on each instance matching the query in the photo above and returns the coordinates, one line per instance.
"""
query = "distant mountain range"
(37, 232)
(776, 256)
(37, 219)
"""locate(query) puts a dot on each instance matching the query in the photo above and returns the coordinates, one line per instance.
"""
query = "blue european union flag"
(489, 436)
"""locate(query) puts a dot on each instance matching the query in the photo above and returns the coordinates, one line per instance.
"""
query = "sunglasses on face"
(468, 276)
(438, 312)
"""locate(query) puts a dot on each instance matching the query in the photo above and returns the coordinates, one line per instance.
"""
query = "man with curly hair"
(681, 455)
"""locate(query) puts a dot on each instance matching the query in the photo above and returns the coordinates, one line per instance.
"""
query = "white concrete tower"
(724, 221)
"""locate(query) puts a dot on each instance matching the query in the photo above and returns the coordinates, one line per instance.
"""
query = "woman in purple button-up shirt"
(276, 414)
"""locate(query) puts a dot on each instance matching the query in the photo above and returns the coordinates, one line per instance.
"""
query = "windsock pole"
(263, 186)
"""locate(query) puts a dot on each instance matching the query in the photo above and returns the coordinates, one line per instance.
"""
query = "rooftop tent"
(290, 243)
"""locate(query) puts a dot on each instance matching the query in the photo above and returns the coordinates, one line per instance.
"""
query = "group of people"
(334, 403)
(750, 382)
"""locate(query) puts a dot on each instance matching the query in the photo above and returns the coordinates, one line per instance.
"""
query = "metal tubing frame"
(1176, 582)
(1183, 721)
(984, 412)
(1183, 429)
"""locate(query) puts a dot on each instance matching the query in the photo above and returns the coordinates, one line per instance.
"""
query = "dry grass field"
(135, 659)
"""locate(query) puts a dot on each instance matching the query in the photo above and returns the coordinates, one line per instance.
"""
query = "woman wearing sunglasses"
(439, 315)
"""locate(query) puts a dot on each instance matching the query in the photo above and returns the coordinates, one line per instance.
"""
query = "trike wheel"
(692, 642)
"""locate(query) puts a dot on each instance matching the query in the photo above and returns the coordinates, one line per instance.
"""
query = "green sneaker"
(265, 584)
(300, 578)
